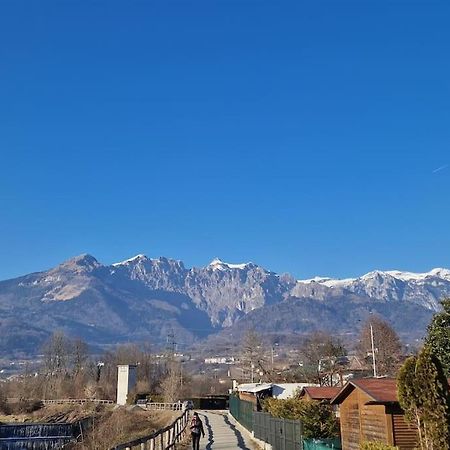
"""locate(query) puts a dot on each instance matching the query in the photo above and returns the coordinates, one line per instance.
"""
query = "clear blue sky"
(309, 137)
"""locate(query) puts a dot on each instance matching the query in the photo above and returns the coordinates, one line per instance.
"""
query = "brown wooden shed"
(370, 411)
(319, 393)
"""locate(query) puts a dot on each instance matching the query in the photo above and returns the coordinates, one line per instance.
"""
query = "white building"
(126, 381)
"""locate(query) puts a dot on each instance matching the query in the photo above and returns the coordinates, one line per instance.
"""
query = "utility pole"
(171, 344)
(373, 352)
(272, 350)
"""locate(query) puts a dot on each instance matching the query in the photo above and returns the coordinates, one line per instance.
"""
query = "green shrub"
(290, 408)
(318, 418)
(376, 446)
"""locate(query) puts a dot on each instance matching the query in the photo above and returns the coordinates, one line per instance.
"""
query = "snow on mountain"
(142, 296)
(218, 264)
(425, 289)
(326, 281)
(132, 260)
(378, 274)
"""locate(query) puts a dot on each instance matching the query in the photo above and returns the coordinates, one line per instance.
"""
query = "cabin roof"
(320, 392)
(380, 390)
(254, 387)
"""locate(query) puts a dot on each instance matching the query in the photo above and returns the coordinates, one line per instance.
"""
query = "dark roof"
(380, 390)
(320, 392)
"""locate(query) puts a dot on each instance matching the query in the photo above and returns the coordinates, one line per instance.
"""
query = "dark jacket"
(197, 426)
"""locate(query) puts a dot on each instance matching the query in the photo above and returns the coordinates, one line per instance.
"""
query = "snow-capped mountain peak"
(379, 274)
(425, 289)
(440, 273)
(218, 264)
(133, 260)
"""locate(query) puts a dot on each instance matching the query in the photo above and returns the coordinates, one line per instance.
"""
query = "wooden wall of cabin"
(405, 436)
(361, 422)
(374, 426)
(247, 397)
(350, 422)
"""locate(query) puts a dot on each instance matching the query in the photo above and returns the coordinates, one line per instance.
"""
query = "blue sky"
(309, 137)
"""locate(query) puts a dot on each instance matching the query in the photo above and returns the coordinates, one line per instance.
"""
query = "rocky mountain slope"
(422, 289)
(143, 299)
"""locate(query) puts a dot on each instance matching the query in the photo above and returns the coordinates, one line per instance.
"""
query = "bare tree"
(80, 355)
(3, 404)
(56, 353)
(387, 345)
(252, 355)
(321, 356)
(171, 385)
(148, 372)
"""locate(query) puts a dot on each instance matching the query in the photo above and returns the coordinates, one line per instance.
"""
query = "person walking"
(196, 431)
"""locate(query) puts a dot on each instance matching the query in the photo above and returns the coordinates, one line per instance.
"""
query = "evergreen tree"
(424, 396)
(438, 339)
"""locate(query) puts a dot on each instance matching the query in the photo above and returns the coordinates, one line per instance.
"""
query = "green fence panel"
(321, 444)
(282, 434)
(242, 411)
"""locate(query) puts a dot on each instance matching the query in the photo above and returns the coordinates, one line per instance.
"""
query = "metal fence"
(242, 411)
(322, 444)
(282, 434)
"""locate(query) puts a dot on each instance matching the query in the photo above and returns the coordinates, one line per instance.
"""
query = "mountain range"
(145, 299)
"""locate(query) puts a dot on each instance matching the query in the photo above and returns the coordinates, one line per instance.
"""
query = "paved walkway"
(221, 434)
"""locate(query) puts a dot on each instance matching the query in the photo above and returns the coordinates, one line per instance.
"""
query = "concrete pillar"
(126, 381)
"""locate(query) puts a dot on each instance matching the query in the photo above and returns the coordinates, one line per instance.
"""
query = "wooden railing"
(78, 401)
(59, 401)
(163, 406)
(164, 439)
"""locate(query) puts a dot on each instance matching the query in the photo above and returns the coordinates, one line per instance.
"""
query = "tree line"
(323, 357)
(69, 370)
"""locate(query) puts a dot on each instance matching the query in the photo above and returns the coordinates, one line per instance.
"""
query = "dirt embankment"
(115, 426)
(109, 425)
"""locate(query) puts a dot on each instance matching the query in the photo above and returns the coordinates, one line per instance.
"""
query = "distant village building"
(220, 360)
(370, 411)
(288, 390)
(255, 392)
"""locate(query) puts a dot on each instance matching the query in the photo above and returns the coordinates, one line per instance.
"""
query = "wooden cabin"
(370, 411)
(255, 393)
(319, 393)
